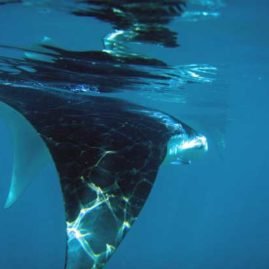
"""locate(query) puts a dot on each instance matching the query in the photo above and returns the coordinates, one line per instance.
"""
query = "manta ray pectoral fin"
(30, 153)
(107, 153)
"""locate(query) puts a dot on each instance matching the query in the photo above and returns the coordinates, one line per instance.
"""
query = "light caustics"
(78, 230)
(81, 231)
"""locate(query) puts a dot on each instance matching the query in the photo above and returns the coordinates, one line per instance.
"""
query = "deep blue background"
(211, 214)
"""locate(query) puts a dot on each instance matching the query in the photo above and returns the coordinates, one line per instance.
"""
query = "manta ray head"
(185, 147)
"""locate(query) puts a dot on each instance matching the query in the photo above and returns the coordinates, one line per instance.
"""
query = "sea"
(209, 70)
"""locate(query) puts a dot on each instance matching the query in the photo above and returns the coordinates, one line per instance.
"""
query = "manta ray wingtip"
(30, 153)
(11, 199)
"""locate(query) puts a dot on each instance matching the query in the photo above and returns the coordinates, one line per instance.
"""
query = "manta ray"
(107, 153)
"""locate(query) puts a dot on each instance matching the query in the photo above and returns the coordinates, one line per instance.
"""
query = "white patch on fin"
(29, 150)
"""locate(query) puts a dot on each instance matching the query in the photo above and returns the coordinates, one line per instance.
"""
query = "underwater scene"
(134, 134)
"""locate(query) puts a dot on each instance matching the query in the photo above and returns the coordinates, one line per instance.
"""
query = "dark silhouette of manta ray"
(107, 153)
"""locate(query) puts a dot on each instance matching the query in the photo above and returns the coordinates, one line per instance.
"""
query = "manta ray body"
(107, 153)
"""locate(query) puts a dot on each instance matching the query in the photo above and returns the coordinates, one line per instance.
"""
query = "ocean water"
(210, 214)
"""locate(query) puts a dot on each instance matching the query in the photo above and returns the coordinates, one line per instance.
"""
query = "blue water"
(207, 215)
